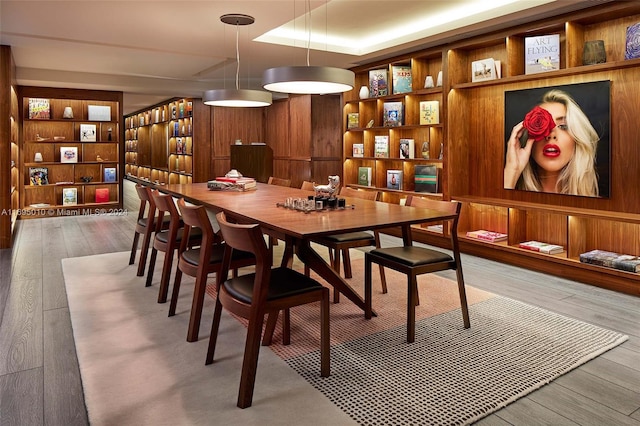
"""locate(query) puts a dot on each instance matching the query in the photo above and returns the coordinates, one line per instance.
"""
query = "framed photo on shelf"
(109, 174)
(39, 109)
(68, 154)
(482, 70)
(99, 113)
(88, 133)
(69, 196)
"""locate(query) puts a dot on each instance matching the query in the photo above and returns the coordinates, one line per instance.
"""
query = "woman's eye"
(563, 127)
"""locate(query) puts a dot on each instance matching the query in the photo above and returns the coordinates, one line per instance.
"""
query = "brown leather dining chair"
(267, 291)
(339, 244)
(416, 260)
(279, 181)
(168, 241)
(307, 186)
(200, 261)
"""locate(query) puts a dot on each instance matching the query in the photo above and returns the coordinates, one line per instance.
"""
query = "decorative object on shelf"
(482, 70)
(353, 120)
(498, 65)
(110, 174)
(541, 53)
(441, 155)
(484, 235)
(541, 247)
(379, 82)
(86, 179)
(40, 138)
(37, 158)
(393, 114)
(426, 178)
(109, 136)
(594, 52)
(59, 138)
(370, 124)
(358, 150)
(407, 148)
(180, 145)
(99, 113)
(68, 112)
(329, 189)
(394, 179)
(364, 92)
(425, 150)
(608, 259)
(381, 146)
(69, 196)
(88, 132)
(429, 112)
(632, 46)
(38, 176)
(68, 154)
(102, 195)
(39, 109)
(439, 79)
(428, 82)
(401, 79)
(364, 176)
(98, 158)
(234, 97)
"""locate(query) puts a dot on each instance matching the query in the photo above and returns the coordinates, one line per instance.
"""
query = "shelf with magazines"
(70, 156)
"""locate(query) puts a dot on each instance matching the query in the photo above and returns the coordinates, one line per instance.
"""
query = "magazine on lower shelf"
(485, 235)
(541, 247)
(609, 259)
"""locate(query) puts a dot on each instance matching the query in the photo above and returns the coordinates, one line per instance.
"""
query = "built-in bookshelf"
(70, 147)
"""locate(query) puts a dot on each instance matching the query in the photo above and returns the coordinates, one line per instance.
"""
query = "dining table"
(265, 205)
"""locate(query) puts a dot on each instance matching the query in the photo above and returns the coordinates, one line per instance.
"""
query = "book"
(623, 262)
(541, 53)
(407, 148)
(99, 113)
(426, 178)
(179, 146)
(381, 146)
(393, 114)
(88, 132)
(353, 120)
(482, 70)
(68, 154)
(401, 79)
(632, 44)
(484, 235)
(102, 195)
(541, 247)
(69, 196)
(358, 150)
(364, 176)
(39, 109)
(394, 179)
(109, 174)
(38, 176)
(379, 82)
(429, 112)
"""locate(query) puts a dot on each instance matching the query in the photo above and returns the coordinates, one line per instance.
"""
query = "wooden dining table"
(298, 228)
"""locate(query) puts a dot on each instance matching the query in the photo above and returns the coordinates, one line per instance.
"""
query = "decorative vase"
(594, 53)
(439, 79)
(428, 82)
(38, 157)
(67, 113)
(364, 92)
(425, 150)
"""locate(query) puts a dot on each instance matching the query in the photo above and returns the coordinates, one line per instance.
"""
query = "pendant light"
(237, 97)
(307, 79)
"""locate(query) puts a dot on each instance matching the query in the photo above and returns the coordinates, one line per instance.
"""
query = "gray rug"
(453, 376)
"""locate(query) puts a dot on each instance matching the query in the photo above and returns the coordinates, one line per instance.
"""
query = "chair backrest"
(165, 204)
(279, 181)
(451, 207)
(146, 200)
(307, 185)
(364, 194)
(196, 217)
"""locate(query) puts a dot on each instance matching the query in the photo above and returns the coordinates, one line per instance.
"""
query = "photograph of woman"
(555, 147)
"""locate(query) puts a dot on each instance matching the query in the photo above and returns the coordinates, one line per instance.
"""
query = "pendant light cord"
(237, 57)
(309, 35)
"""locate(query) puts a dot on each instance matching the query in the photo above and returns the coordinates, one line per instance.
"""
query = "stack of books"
(541, 247)
(233, 184)
(484, 235)
(623, 262)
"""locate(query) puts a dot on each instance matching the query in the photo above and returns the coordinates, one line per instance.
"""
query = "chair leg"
(134, 248)
(270, 328)
(213, 336)
(411, 308)
(143, 254)
(250, 362)
(163, 291)
(286, 327)
(383, 279)
(175, 293)
(152, 266)
(346, 260)
(196, 306)
(367, 287)
(325, 344)
(334, 257)
(463, 298)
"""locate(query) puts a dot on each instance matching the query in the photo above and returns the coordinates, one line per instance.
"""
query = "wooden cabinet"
(254, 161)
(78, 153)
(473, 136)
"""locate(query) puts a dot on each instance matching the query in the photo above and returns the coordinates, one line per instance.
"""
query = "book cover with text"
(378, 82)
(401, 79)
(542, 53)
(382, 146)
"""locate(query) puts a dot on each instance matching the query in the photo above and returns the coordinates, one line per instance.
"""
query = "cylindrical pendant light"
(308, 80)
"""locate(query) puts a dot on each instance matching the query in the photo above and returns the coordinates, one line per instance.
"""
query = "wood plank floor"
(39, 376)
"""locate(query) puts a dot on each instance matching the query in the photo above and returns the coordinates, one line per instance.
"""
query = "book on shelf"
(401, 79)
(38, 176)
(393, 114)
(632, 44)
(99, 113)
(39, 109)
(102, 195)
(429, 112)
(426, 178)
(484, 69)
(69, 196)
(68, 154)
(541, 53)
(407, 148)
(484, 235)
(109, 174)
(394, 179)
(353, 120)
(608, 259)
(436, 228)
(381, 146)
(364, 176)
(88, 132)
(379, 82)
(179, 146)
(541, 247)
(358, 150)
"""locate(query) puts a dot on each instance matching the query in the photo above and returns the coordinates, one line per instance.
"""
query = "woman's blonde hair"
(579, 176)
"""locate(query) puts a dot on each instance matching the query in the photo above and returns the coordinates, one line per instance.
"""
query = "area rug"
(137, 367)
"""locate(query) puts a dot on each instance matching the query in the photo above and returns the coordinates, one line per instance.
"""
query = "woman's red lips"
(551, 150)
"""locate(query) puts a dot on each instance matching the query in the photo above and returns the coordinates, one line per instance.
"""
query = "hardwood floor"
(39, 375)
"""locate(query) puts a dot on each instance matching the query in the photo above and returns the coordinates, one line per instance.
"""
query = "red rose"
(539, 123)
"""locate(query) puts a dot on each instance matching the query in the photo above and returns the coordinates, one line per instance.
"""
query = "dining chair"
(339, 244)
(145, 226)
(267, 291)
(168, 240)
(200, 261)
(416, 260)
(279, 181)
(308, 186)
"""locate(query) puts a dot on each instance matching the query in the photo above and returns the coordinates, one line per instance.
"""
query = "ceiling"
(155, 50)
